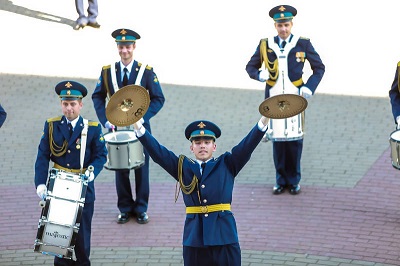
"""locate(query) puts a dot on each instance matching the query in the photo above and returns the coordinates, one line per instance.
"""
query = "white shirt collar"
(129, 67)
(200, 162)
(73, 122)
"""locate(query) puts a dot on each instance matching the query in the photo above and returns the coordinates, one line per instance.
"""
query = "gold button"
(68, 164)
(205, 201)
(206, 215)
(203, 186)
(69, 151)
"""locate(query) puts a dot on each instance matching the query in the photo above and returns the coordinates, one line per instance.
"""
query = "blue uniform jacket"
(105, 89)
(3, 116)
(95, 154)
(394, 95)
(295, 63)
(216, 185)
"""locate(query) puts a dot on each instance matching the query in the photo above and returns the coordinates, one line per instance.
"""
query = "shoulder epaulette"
(93, 123)
(398, 64)
(53, 119)
(147, 67)
(304, 38)
(265, 39)
(107, 67)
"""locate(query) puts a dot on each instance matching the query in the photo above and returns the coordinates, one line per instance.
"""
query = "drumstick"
(90, 168)
(115, 136)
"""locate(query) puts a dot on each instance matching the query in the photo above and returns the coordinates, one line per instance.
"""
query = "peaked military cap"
(70, 90)
(283, 13)
(125, 36)
(202, 129)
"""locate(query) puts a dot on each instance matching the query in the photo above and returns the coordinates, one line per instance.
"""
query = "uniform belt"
(75, 171)
(208, 208)
(296, 83)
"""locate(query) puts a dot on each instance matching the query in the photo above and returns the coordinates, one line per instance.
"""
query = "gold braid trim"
(398, 75)
(105, 79)
(187, 189)
(54, 148)
(271, 66)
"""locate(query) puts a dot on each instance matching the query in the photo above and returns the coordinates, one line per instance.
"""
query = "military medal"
(78, 144)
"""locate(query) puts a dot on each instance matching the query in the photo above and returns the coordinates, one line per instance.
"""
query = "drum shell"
(60, 218)
(286, 129)
(395, 148)
(125, 151)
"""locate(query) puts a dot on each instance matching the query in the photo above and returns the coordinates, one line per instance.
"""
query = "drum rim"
(130, 132)
(394, 131)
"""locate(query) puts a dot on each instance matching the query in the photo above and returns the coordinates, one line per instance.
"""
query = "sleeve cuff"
(261, 126)
(140, 132)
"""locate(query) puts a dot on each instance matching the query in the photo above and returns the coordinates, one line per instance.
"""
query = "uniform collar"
(73, 122)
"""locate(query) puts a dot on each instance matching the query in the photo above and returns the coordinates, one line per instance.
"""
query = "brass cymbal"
(283, 106)
(127, 105)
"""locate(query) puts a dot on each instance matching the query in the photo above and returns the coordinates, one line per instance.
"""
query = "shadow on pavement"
(7, 5)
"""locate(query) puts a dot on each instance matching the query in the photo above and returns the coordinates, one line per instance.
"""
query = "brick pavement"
(346, 215)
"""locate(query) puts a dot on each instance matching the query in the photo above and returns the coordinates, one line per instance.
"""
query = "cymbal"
(127, 105)
(283, 106)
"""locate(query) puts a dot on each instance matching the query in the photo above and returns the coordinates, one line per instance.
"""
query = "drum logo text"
(56, 235)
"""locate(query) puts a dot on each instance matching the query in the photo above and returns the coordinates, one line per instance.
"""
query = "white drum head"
(395, 135)
(122, 136)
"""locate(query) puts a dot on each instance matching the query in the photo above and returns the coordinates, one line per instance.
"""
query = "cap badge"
(123, 38)
(68, 85)
(68, 92)
(123, 31)
(201, 125)
(282, 15)
(201, 132)
(282, 8)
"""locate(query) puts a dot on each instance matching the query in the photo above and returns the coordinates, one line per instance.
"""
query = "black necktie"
(70, 129)
(125, 80)
(283, 44)
(203, 165)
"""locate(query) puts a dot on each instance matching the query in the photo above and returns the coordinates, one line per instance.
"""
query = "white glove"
(139, 128)
(263, 123)
(398, 122)
(263, 75)
(109, 125)
(41, 191)
(305, 92)
(89, 175)
(138, 124)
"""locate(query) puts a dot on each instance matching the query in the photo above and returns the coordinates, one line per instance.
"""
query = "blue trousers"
(287, 156)
(225, 255)
(82, 244)
(126, 202)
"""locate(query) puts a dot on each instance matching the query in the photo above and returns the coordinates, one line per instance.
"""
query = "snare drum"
(395, 148)
(286, 129)
(124, 150)
(60, 219)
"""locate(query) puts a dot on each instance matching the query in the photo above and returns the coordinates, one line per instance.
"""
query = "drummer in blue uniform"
(394, 95)
(125, 72)
(210, 235)
(3, 115)
(61, 144)
(287, 154)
